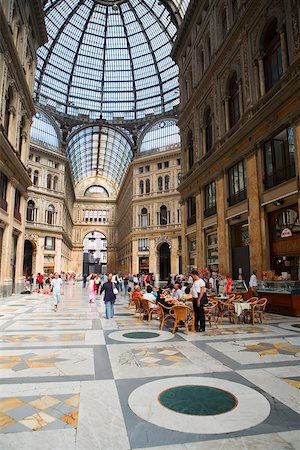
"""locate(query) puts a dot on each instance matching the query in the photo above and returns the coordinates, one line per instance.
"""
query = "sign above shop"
(286, 232)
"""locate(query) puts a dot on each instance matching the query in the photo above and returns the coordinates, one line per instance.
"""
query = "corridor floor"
(74, 380)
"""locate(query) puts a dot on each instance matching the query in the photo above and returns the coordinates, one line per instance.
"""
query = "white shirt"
(177, 294)
(150, 296)
(197, 285)
(56, 284)
(253, 281)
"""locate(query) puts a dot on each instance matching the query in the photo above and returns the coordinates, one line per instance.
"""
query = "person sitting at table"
(186, 288)
(148, 295)
(136, 294)
(177, 292)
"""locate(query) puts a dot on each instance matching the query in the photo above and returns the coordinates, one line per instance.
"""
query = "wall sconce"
(278, 202)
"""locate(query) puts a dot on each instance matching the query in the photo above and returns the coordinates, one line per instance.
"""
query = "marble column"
(183, 236)
(284, 51)
(257, 246)
(296, 130)
(261, 71)
(135, 259)
(174, 256)
(200, 260)
(227, 120)
(58, 256)
(223, 241)
(152, 256)
(256, 79)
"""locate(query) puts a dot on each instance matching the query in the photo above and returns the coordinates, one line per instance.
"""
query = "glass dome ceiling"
(109, 58)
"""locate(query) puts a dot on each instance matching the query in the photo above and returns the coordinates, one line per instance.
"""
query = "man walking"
(56, 284)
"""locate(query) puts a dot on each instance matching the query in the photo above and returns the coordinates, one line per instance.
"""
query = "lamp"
(278, 202)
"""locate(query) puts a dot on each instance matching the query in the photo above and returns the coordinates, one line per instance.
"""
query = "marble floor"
(73, 380)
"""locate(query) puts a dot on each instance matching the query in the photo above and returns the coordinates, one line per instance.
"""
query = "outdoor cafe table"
(240, 306)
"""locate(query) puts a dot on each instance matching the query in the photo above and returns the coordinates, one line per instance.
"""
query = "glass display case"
(238, 287)
(279, 287)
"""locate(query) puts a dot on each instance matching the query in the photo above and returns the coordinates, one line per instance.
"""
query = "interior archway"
(94, 253)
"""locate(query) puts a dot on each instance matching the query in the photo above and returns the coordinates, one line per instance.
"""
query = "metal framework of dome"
(109, 59)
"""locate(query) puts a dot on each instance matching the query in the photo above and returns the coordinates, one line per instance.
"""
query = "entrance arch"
(29, 249)
(164, 261)
(94, 253)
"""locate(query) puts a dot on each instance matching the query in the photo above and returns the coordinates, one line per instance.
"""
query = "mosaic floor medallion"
(204, 406)
(197, 400)
(141, 335)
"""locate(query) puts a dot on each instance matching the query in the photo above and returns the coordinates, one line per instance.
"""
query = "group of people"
(109, 284)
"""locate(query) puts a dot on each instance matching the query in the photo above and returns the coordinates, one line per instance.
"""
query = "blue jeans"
(126, 289)
(109, 310)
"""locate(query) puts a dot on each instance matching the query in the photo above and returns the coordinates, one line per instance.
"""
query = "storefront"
(212, 252)
(192, 254)
(240, 251)
(48, 264)
(284, 232)
(144, 264)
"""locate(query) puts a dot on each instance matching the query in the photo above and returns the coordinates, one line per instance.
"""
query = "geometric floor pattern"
(38, 413)
(73, 380)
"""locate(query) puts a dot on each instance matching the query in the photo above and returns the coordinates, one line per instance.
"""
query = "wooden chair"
(183, 314)
(252, 300)
(146, 311)
(257, 310)
(165, 313)
(227, 309)
(238, 298)
(231, 298)
(210, 311)
(138, 306)
(130, 301)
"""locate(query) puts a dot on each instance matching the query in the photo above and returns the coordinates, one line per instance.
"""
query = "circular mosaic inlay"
(141, 335)
(296, 325)
(198, 400)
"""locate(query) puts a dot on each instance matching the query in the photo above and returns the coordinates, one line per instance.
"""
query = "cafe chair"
(146, 311)
(227, 309)
(138, 306)
(238, 298)
(231, 298)
(130, 301)
(210, 311)
(165, 313)
(257, 310)
(184, 316)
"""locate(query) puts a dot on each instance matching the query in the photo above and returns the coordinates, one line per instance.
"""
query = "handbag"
(204, 299)
(115, 290)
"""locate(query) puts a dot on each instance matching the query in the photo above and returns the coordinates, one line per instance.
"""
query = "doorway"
(28, 255)
(164, 261)
(94, 253)
(240, 251)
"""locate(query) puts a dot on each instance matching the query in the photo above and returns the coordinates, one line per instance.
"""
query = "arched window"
(224, 22)
(234, 102)
(35, 178)
(190, 150)
(30, 213)
(208, 129)
(273, 57)
(159, 184)
(49, 181)
(50, 215)
(8, 104)
(167, 182)
(55, 183)
(147, 186)
(141, 187)
(144, 218)
(163, 215)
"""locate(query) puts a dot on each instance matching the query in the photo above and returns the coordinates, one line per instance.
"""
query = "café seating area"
(179, 314)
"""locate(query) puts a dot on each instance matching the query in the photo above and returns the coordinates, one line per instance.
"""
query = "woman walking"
(91, 289)
(109, 296)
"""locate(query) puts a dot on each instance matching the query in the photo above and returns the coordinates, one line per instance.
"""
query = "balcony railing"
(191, 220)
(278, 177)
(238, 197)
(210, 211)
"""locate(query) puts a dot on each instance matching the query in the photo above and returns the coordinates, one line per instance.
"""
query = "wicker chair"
(227, 309)
(131, 302)
(257, 310)
(210, 311)
(231, 298)
(146, 311)
(165, 313)
(183, 314)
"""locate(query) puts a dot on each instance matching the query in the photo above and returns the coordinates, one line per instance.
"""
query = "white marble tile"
(48, 362)
(100, 422)
(292, 437)
(282, 391)
(36, 389)
(59, 324)
(45, 440)
(238, 351)
(125, 365)
(94, 337)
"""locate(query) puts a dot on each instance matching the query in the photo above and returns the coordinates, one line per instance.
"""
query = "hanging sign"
(286, 232)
